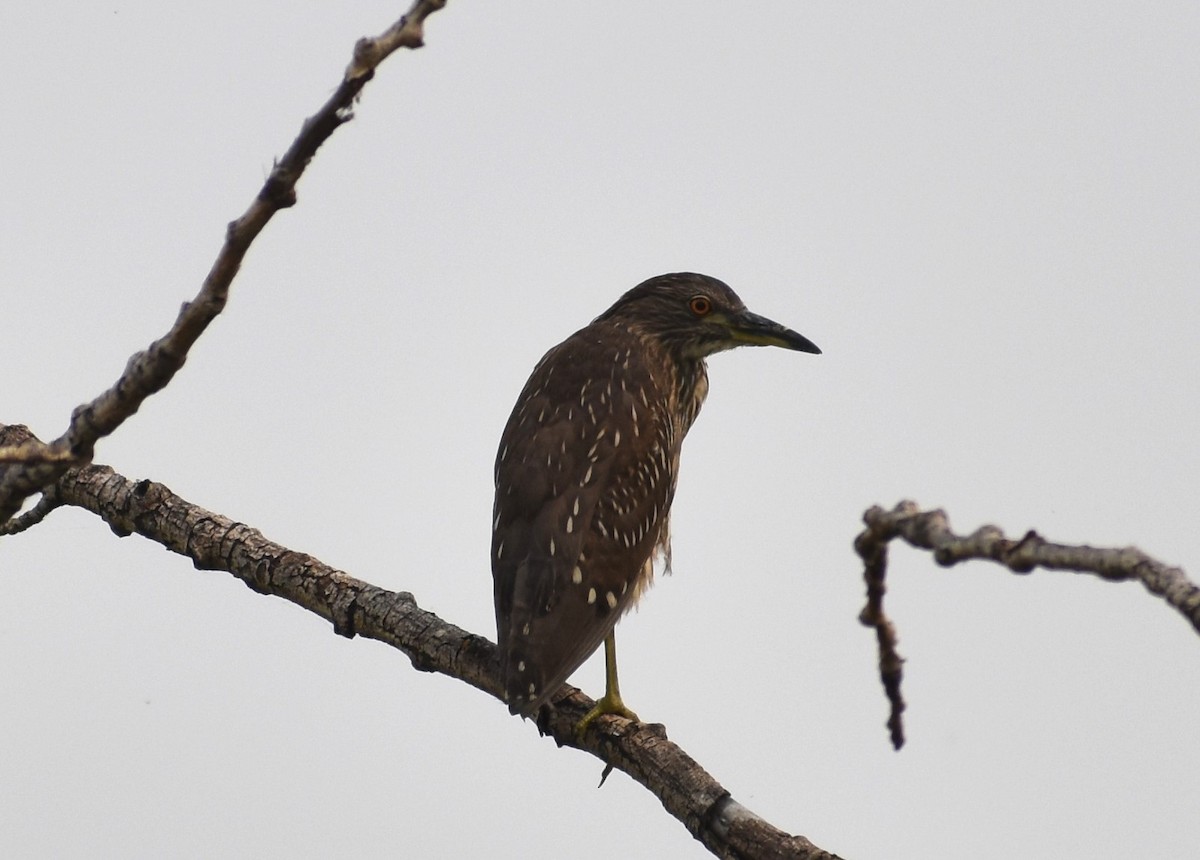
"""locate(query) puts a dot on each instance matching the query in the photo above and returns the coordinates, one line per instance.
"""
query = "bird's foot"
(609, 703)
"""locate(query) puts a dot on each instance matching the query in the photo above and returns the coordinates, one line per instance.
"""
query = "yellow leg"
(611, 702)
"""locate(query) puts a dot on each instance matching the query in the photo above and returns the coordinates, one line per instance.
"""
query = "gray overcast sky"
(986, 214)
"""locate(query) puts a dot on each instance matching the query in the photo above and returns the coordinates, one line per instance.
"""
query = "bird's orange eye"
(700, 305)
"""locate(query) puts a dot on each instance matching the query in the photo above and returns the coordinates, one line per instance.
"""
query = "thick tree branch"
(357, 608)
(931, 530)
(34, 466)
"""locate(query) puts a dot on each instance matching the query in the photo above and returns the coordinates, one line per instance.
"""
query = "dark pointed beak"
(751, 329)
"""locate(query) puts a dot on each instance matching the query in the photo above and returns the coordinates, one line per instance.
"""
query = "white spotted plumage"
(583, 492)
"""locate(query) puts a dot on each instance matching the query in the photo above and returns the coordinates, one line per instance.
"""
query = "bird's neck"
(687, 377)
(689, 387)
(693, 387)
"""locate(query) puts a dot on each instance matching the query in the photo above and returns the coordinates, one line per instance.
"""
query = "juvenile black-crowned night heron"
(586, 472)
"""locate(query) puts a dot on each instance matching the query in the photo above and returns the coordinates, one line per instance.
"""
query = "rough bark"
(357, 608)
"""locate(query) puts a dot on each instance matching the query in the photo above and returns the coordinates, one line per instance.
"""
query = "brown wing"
(584, 480)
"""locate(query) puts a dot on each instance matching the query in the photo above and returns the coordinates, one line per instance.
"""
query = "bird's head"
(695, 315)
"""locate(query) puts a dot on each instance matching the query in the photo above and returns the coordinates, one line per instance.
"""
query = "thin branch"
(149, 371)
(357, 608)
(47, 503)
(931, 530)
(891, 664)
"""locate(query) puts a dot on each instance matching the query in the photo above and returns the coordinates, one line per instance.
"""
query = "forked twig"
(931, 530)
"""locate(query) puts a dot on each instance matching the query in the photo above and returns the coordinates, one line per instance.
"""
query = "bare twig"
(150, 370)
(891, 664)
(47, 503)
(357, 608)
(931, 530)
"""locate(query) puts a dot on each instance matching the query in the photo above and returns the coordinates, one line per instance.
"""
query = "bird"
(585, 474)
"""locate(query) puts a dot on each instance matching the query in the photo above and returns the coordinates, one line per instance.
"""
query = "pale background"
(986, 214)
